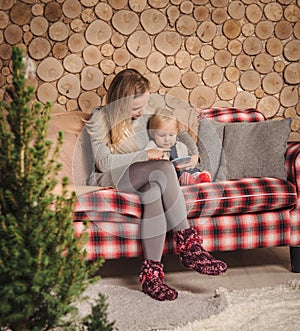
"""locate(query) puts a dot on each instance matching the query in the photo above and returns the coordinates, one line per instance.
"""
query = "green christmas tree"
(43, 267)
(98, 320)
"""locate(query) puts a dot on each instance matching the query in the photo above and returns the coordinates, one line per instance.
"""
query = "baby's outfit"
(189, 176)
(186, 176)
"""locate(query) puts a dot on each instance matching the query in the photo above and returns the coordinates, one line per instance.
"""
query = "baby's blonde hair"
(159, 117)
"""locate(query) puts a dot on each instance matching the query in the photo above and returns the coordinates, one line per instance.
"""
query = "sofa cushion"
(244, 149)
(255, 149)
(210, 146)
(246, 195)
(211, 126)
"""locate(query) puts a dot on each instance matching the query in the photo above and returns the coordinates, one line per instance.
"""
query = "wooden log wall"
(206, 52)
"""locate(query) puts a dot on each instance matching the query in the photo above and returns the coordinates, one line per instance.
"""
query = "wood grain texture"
(240, 53)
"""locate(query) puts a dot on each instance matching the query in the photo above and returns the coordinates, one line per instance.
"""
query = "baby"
(163, 129)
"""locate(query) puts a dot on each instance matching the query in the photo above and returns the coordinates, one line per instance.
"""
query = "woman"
(118, 134)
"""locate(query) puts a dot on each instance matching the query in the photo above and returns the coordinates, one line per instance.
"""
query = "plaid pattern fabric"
(110, 240)
(109, 201)
(104, 217)
(230, 115)
(246, 195)
(292, 164)
(220, 233)
(229, 215)
(293, 174)
(244, 231)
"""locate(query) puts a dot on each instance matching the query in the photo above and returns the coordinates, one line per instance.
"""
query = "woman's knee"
(150, 193)
(139, 174)
(165, 165)
(164, 173)
(152, 165)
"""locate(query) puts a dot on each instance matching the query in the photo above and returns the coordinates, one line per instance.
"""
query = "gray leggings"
(163, 203)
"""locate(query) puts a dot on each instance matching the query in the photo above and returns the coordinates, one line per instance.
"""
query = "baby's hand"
(191, 165)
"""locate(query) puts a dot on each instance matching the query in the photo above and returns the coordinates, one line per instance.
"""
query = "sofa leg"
(295, 258)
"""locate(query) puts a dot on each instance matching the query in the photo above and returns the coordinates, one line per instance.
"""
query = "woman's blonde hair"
(158, 118)
(126, 86)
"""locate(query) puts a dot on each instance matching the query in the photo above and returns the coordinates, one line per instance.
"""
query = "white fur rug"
(133, 310)
(262, 309)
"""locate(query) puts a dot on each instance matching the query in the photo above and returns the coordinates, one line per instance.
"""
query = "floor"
(246, 269)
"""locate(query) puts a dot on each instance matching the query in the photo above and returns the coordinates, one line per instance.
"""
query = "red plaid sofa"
(230, 215)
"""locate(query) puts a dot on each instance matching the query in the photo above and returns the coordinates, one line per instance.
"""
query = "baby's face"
(165, 135)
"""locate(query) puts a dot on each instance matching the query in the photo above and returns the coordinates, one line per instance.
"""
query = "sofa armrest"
(292, 163)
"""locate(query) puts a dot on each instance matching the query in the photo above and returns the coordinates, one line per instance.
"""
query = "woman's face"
(139, 105)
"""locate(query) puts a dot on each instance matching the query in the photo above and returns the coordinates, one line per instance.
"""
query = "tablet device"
(181, 160)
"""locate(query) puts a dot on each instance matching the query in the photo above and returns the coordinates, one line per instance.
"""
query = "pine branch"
(43, 266)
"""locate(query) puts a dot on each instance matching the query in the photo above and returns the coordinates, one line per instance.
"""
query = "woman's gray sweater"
(109, 168)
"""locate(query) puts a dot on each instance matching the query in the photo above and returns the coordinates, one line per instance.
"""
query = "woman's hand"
(156, 153)
(191, 165)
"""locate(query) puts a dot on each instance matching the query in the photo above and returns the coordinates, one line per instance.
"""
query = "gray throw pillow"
(256, 149)
(210, 140)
